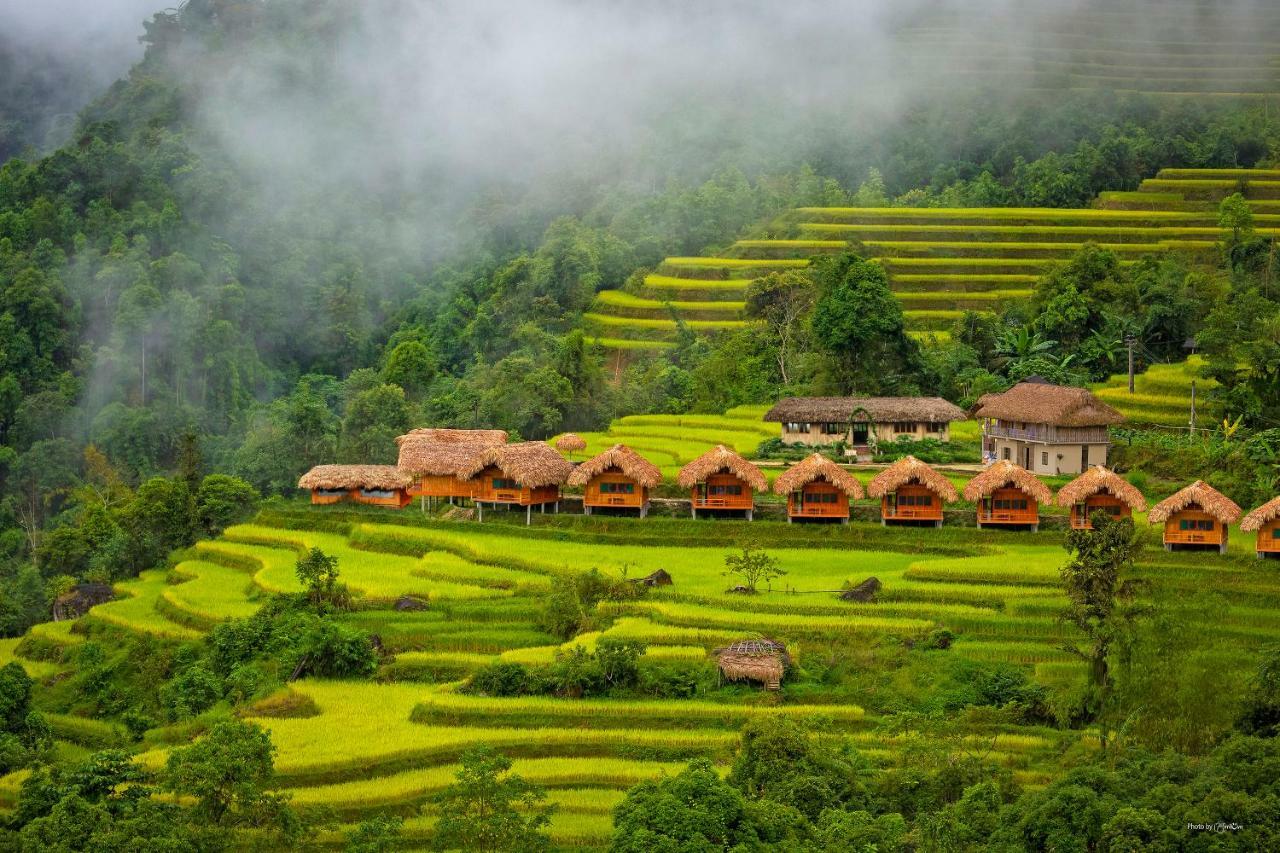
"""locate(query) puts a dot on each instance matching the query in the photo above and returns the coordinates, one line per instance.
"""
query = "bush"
(927, 450)
(329, 650)
(675, 679)
(192, 692)
(502, 679)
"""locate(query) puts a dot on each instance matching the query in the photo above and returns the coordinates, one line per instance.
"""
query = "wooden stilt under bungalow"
(433, 458)
(1099, 490)
(1198, 516)
(1007, 495)
(1265, 522)
(722, 481)
(911, 492)
(618, 479)
(526, 474)
(818, 489)
(376, 485)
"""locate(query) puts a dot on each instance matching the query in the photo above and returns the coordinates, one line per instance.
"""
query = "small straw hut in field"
(571, 443)
(1197, 516)
(1008, 495)
(721, 480)
(818, 488)
(1099, 490)
(433, 458)
(764, 661)
(378, 485)
(1265, 521)
(619, 478)
(526, 474)
(911, 492)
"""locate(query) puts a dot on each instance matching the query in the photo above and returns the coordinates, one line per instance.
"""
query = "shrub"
(192, 692)
(329, 650)
(502, 679)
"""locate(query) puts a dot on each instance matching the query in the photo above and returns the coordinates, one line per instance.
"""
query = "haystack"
(1264, 514)
(717, 459)
(1006, 474)
(349, 477)
(1098, 480)
(443, 452)
(765, 661)
(909, 470)
(530, 463)
(817, 467)
(624, 459)
(1199, 494)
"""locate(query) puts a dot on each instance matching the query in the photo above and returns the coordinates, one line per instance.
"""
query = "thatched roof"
(717, 459)
(817, 467)
(1199, 494)
(910, 469)
(570, 443)
(755, 660)
(381, 477)
(442, 452)
(1042, 403)
(529, 463)
(1005, 473)
(626, 460)
(1099, 479)
(1269, 511)
(879, 410)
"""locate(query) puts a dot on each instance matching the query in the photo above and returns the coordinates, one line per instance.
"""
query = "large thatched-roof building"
(526, 474)
(618, 479)
(1198, 516)
(1099, 490)
(1007, 495)
(378, 485)
(818, 489)
(862, 422)
(1046, 428)
(433, 457)
(911, 492)
(764, 661)
(721, 481)
(1265, 522)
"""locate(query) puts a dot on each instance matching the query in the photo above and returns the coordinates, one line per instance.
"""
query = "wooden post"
(528, 515)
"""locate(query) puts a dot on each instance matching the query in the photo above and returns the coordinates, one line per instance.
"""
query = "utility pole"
(1193, 408)
(1130, 341)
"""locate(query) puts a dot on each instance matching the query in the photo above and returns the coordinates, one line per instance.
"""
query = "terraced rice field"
(941, 261)
(1162, 394)
(390, 744)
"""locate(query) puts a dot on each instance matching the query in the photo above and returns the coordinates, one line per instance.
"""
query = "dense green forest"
(200, 302)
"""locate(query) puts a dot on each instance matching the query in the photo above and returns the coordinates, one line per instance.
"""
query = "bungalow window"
(1010, 503)
(331, 493)
(617, 488)
(1195, 524)
(915, 500)
(377, 493)
(833, 429)
(935, 428)
(822, 498)
(725, 490)
(1044, 458)
(1006, 453)
(796, 427)
(504, 483)
(904, 426)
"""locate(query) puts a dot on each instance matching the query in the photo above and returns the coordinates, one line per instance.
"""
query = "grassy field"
(393, 742)
(1162, 393)
(941, 261)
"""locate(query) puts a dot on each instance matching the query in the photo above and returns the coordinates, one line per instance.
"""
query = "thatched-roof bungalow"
(433, 458)
(911, 492)
(721, 480)
(1007, 495)
(1046, 428)
(378, 485)
(862, 422)
(526, 474)
(1265, 521)
(571, 443)
(819, 489)
(1099, 490)
(764, 661)
(619, 478)
(1198, 516)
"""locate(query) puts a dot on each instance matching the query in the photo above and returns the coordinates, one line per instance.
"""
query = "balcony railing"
(1049, 434)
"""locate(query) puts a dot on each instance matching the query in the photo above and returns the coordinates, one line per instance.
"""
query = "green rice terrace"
(941, 261)
(358, 747)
